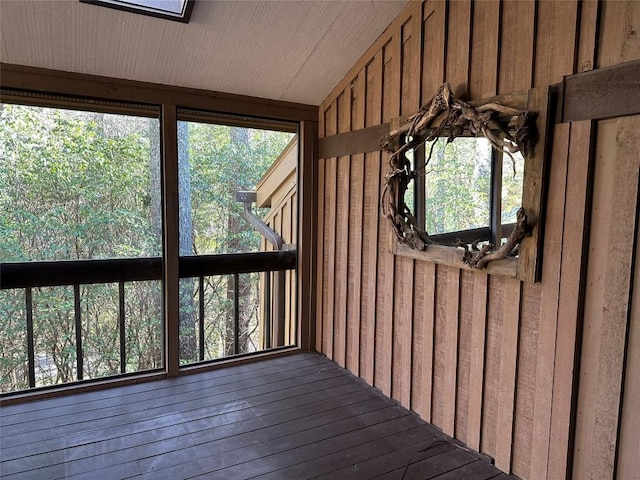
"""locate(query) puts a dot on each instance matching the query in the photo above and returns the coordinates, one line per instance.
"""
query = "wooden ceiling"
(284, 50)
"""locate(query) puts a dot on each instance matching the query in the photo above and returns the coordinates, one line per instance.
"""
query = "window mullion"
(170, 216)
(495, 217)
(420, 192)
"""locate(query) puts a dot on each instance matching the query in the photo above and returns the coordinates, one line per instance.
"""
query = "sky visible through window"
(166, 6)
(179, 10)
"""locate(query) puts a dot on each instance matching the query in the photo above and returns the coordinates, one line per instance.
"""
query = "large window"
(85, 285)
(77, 186)
(226, 314)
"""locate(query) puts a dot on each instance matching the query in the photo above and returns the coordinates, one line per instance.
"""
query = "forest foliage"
(458, 185)
(78, 185)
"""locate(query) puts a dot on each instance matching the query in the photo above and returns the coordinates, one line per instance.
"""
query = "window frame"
(494, 232)
(527, 265)
(132, 7)
(52, 88)
(232, 263)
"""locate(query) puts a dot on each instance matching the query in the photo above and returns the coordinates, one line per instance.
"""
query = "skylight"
(179, 10)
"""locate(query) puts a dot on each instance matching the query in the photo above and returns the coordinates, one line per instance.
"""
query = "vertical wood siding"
(490, 360)
(607, 442)
(610, 319)
(282, 219)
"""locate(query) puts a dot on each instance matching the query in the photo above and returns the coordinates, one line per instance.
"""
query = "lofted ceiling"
(288, 50)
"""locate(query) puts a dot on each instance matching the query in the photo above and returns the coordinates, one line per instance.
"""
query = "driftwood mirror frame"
(527, 265)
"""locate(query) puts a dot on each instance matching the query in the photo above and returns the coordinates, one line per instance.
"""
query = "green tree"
(73, 185)
(223, 161)
(84, 185)
(458, 185)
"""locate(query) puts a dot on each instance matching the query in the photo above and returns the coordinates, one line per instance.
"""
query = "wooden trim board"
(593, 95)
(604, 93)
(363, 140)
(92, 86)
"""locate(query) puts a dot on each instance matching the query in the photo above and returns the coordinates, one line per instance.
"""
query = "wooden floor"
(294, 417)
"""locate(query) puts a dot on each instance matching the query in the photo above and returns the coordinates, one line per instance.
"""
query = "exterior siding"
(488, 359)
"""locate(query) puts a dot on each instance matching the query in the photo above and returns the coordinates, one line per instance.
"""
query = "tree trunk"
(155, 186)
(188, 350)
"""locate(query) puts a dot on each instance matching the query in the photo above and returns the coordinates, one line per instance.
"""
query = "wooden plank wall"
(282, 219)
(607, 437)
(488, 359)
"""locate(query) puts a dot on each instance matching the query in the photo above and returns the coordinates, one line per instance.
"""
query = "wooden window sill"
(452, 257)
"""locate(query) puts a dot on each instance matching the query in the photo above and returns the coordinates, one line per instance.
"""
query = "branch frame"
(522, 119)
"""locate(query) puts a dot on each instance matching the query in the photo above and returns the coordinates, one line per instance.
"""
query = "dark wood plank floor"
(294, 417)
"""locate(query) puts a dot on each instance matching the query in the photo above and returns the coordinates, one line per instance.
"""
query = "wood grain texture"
(606, 299)
(619, 24)
(320, 258)
(587, 40)
(358, 141)
(465, 326)
(386, 262)
(471, 352)
(492, 364)
(547, 325)
(628, 462)
(299, 417)
(477, 359)
(604, 93)
(490, 358)
(423, 338)
(483, 75)
(438, 388)
(434, 47)
(372, 51)
(451, 351)
(402, 332)
(533, 201)
(518, 29)
(448, 256)
(555, 38)
(371, 208)
(483, 83)
(456, 61)
(458, 47)
(445, 348)
(404, 287)
(411, 34)
(329, 267)
(356, 206)
(341, 234)
(503, 320)
(577, 205)
(608, 318)
(538, 324)
(507, 382)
